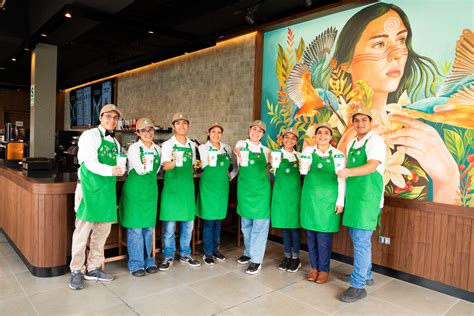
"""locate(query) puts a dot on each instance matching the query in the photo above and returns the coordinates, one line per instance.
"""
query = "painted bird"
(454, 101)
(305, 80)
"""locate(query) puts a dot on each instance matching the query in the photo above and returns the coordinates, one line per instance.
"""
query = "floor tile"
(321, 296)
(415, 298)
(129, 287)
(10, 288)
(274, 278)
(343, 268)
(93, 297)
(373, 306)
(116, 267)
(17, 306)
(33, 285)
(16, 264)
(461, 308)
(6, 250)
(4, 267)
(118, 310)
(177, 301)
(238, 289)
(274, 304)
(186, 274)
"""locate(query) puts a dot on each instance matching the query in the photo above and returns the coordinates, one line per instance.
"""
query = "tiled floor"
(223, 289)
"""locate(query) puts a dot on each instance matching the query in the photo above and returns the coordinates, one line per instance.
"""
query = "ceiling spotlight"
(249, 18)
(26, 49)
(44, 35)
(308, 3)
(68, 14)
(151, 32)
(13, 59)
(2, 68)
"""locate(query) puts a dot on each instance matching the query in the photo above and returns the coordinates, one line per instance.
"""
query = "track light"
(44, 35)
(68, 14)
(308, 3)
(13, 59)
(151, 32)
(249, 18)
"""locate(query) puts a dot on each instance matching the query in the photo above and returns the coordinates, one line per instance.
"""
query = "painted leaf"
(454, 143)
(420, 172)
(416, 193)
(300, 51)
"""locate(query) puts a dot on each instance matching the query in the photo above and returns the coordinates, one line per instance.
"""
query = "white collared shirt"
(290, 155)
(133, 156)
(204, 153)
(375, 150)
(253, 148)
(89, 143)
(341, 183)
(167, 149)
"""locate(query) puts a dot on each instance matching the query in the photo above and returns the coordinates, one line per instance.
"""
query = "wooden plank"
(435, 249)
(40, 231)
(466, 264)
(421, 243)
(429, 240)
(471, 261)
(443, 243)
(457, 256)
(47, 233)
(450, 245)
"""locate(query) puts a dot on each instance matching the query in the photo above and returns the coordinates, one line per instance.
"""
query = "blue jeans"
(211, 234)
(185, 234)
(291, 242)
(362, 242)
(320, 248)
(140, 248)
(255, 233)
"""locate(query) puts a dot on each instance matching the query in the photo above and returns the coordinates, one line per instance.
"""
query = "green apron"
(319, 196)
(214, 190)
(99, 199)
(286, 195)
(363, 193)
(177, 198)
(253, 188)
(139, 201)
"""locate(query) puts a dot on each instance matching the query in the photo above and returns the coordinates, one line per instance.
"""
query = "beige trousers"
(98, 233)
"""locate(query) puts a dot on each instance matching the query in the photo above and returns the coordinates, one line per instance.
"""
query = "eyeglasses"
(109, 117)
(144, 131)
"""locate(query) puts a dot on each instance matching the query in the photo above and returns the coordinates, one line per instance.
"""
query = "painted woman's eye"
(402, 40)
(378, 45)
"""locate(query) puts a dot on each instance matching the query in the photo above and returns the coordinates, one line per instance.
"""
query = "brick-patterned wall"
(215, 84)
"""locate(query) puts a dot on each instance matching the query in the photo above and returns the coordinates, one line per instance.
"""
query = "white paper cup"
(179, 158)
(338, 163)
(122, 162)
(276, 159)
(150, 157)
(213, 158)
(244, 158)
(305, 163)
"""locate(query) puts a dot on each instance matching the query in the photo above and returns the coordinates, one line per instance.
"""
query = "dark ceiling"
(104, 37)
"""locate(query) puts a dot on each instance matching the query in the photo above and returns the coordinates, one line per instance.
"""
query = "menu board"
(86, 103)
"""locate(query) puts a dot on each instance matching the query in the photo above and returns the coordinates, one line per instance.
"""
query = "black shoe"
(347, 278)
(353, 294)
(139, 273)
(285, 263)
(219, 256)
(151, 269)
(243, 259)
(253, 268)
(295, 264)
(189, 260)
(208, 260)
(166, 264)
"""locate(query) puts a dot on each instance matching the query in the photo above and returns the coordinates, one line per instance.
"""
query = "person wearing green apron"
(322, 201)
(177, 197)
(285, 206)
(211, 206)
(364, 199)
(253, 196)
(95, 198)
(138, 205)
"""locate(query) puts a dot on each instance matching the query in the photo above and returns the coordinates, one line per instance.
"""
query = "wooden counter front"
(33, 216)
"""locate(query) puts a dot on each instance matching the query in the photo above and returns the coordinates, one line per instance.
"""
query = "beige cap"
(144, 122)
(320, 125)
(179, 116)
(290, 130)
(109, 108)
(260, 124)
(215, 124)
(361, 110)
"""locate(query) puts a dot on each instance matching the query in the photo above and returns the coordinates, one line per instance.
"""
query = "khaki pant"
(98, 233)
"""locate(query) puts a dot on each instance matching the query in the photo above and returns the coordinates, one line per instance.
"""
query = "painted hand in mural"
(423, 143)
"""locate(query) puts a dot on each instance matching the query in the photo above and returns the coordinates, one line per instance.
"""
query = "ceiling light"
(68, 14)
(2, 68)
(44, 35)
(151, 32)
(27, 49)
(249, 17)
(13, 59)
(308, 3)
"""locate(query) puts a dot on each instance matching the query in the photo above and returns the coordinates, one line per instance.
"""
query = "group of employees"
(334, 185)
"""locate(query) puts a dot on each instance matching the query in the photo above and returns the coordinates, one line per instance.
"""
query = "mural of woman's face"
(381, 54)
